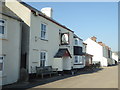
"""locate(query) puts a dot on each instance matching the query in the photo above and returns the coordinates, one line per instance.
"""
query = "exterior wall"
(50, 45)
(36, 45)
(84, 48)
(105, 52)
(88, 60)
(104, 62)
(94, 49)
(25, 44)
(58, 63)
(11, 49)
(66, 63)
(69, 47)
(115, 56)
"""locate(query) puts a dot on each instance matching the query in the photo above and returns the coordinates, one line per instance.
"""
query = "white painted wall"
(58, 63)
(50, 45)
(96, 50)
(11, 47)
(66, 63)
(115, 56)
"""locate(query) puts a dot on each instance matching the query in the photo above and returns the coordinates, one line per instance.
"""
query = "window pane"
(1, 58)
(1, 66)
(44, 56)
(45, 28)
(41, 27)
(75, 42)
(1, 29)
(1, 21)
(76, 59)
(42, 59)
(42, 34)
(40, 56)
(43, 31)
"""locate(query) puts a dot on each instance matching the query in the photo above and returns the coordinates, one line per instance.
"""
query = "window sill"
(44, 39)
(3, 76)
(78, 64)
(3, 39)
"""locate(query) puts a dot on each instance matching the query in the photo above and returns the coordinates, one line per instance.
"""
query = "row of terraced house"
(31, 38)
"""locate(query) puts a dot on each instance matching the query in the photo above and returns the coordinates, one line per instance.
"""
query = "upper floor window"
(2, 28)
(43, 31)
(76, 41)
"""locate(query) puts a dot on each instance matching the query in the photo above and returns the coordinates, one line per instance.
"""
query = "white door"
(66, 63)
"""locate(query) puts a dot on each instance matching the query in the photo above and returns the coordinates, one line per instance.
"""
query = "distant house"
(10, 42)
(88, 57)
(79, 60)
(101, 53)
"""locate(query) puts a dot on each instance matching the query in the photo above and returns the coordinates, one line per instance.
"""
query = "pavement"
(106, 78)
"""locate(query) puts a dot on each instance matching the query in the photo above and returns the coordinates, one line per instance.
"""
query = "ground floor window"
(76, 59)
(43, 58)
(1, 63)
(81, 60)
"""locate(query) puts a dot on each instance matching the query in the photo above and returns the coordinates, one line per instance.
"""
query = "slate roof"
(61, 53)
(75, 36)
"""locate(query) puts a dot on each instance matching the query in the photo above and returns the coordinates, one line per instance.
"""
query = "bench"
(47, 70)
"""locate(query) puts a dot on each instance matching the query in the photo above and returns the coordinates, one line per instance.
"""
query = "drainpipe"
(21, 22)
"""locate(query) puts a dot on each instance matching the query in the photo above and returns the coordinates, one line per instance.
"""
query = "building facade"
(101, 53)
(79, 57)
(10, 42)
(43, 39)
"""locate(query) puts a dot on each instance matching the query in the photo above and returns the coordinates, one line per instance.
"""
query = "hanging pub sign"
(64, 38)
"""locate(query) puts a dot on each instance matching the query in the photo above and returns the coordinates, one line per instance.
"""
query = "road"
(106, 78)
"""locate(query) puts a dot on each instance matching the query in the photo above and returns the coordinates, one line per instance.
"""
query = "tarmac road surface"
(105, 78)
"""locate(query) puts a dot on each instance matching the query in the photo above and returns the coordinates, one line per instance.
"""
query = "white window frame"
(43, 31)
(76, 41)
(43, 60)
(2, 61)
(81, 60)
(4, 25)
(76, 57)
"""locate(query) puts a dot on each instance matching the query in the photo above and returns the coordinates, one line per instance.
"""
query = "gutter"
(11, 16)
(44, 16)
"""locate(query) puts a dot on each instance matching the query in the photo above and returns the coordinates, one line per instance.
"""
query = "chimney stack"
(47, 11)
(102, 44)
(108, 47)
(94, 38)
